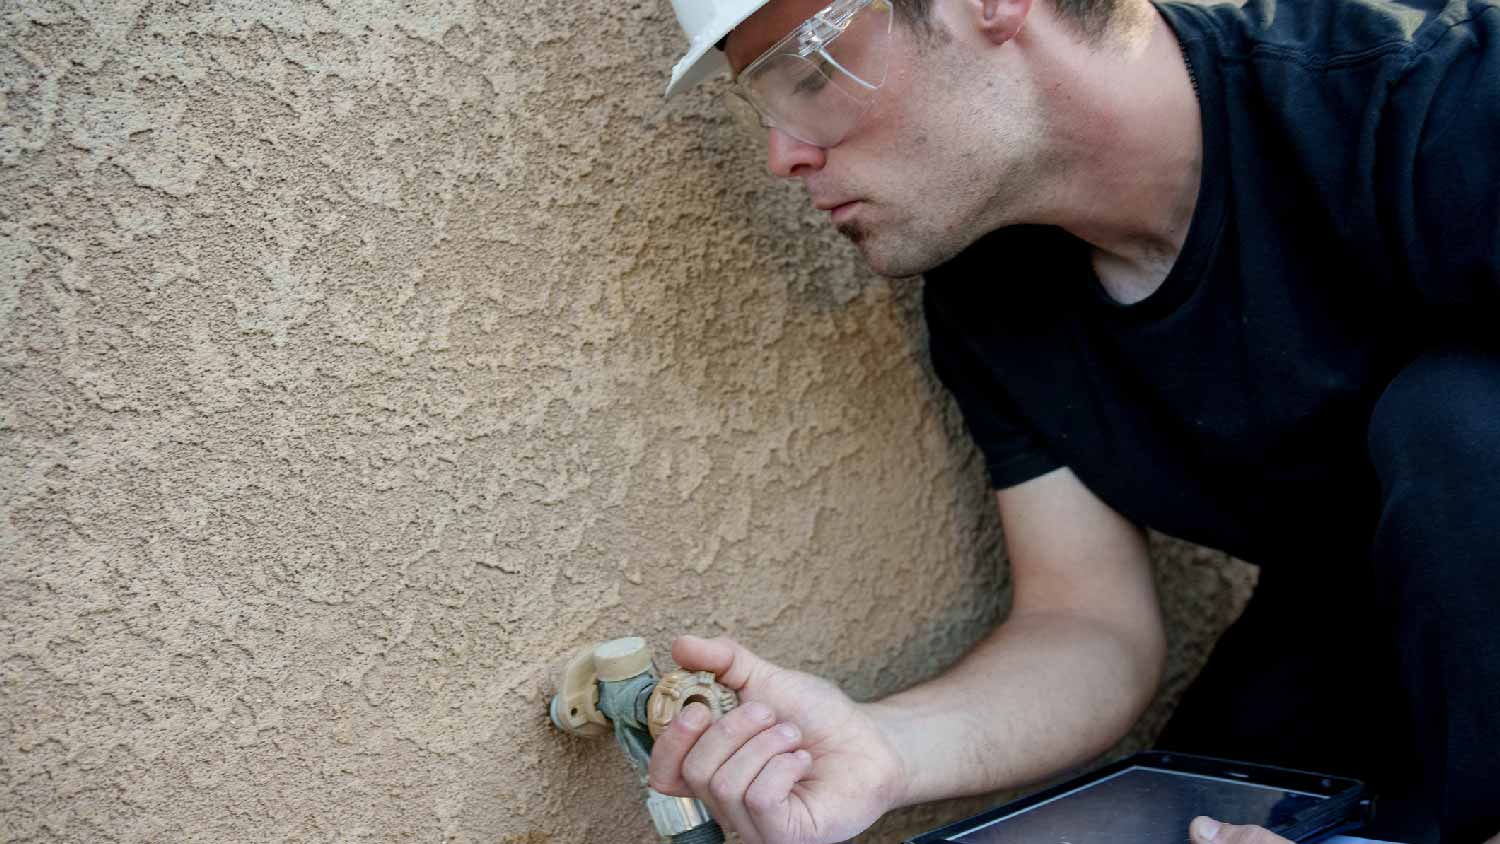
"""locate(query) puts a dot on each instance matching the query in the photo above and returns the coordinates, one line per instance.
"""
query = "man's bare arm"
(1067, 673)
(1064, 677)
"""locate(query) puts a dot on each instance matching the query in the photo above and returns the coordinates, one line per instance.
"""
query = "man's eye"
(812, 83)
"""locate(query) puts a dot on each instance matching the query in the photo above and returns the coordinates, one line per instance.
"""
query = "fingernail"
(758, 711)
(788, 731)
(1207, 828)
(693, 717)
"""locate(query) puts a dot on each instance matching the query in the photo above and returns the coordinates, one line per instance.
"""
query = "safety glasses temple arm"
(847, 72)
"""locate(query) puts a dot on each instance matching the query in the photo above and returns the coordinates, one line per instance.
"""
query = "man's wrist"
(896, 783)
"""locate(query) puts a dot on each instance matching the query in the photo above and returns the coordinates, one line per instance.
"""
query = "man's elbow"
(1141, 665)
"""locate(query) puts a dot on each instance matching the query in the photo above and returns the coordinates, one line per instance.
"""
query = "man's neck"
(1134, 159)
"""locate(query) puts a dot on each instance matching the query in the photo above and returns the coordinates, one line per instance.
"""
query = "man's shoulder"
(1324, 34)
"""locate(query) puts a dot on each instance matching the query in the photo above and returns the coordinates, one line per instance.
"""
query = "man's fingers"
(727, 786)
(1209, 831)
(767, 796)
(1203, 830)
(713, 750)
(731, 782)
(669, 750)
(721, 741)
(732, 662)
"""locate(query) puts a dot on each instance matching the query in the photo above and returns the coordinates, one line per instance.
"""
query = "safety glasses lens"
(746, 118)
(819, 82)
(809, 99)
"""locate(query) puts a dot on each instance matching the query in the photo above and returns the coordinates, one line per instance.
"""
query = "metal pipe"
(709, 833)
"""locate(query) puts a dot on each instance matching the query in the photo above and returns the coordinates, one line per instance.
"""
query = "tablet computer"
(1153, 796)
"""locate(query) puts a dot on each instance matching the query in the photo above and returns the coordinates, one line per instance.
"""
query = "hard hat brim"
(704, 59)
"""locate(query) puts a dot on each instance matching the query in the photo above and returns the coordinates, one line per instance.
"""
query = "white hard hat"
(706, 22)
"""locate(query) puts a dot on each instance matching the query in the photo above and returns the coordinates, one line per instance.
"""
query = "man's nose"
(786, 156)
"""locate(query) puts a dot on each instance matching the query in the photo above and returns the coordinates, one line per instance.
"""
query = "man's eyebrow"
(810, 83)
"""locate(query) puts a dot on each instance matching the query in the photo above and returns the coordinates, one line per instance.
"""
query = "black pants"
(1387, 668)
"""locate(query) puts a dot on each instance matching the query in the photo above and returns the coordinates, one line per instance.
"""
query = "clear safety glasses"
(817, 82)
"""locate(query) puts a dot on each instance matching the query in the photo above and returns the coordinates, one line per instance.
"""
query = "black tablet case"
(1347, 807)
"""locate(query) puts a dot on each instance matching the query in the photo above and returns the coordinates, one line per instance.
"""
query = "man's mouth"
(842, 211)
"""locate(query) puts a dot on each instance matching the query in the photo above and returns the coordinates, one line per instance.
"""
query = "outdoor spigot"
(614, 688)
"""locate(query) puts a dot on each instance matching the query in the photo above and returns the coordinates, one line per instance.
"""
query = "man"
(1229, 272)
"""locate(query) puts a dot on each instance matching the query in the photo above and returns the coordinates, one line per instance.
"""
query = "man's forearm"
(1044, 692)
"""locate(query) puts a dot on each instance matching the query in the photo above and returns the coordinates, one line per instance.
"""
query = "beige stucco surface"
(362, 360)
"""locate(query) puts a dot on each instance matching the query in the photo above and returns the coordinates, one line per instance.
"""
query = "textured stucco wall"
(362, 360)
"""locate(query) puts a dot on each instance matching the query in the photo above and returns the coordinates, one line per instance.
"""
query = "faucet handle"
(676, 689)
(622, 659)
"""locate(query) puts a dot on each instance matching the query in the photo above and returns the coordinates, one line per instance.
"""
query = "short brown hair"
(1092, 17)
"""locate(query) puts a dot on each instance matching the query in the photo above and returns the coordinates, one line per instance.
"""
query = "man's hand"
(1210, 831)
(797, 762)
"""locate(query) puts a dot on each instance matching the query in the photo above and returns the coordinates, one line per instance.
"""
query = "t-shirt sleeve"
(1013, 453)
(1443, 132)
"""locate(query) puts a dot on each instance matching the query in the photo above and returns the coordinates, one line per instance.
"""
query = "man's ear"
(999, 20)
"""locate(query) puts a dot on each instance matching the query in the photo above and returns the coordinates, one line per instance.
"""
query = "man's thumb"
(1206, 830)
(731, 662)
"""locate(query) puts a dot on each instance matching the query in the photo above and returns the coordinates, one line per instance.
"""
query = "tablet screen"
(1140, 805)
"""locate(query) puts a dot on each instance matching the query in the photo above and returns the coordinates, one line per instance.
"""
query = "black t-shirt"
(1349, 215)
